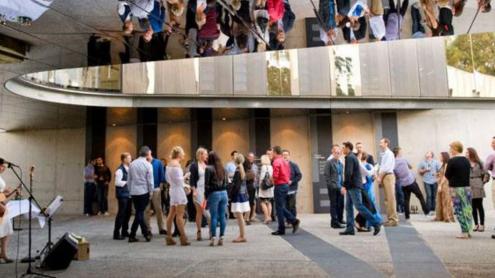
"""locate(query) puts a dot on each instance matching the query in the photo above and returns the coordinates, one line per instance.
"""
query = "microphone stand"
(29, 270)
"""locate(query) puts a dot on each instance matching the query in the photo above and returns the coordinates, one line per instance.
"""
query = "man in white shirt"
(141, 186)
(121, 227)
(386, 178)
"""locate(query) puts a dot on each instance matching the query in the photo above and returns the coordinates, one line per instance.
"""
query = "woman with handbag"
(216, 193)
(266, 188)
(178, 198)
(197, 182)
(476, 181)
(239, 197)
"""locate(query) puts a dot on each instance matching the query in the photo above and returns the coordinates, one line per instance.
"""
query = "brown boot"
(183, 241)
(170, 241)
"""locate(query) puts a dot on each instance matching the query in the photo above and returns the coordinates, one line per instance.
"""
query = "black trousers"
(291, 203)
(336, 206)
(89, 195)
(140, 203)
(413, 188)
(360, 219)
(123, 216)
(478, 208)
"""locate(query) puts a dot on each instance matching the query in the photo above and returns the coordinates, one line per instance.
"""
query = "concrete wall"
(422, 131)
(58, 157)
(290, 130)
(174, 128)
(354, 127)
(230, 132)
(121, 136)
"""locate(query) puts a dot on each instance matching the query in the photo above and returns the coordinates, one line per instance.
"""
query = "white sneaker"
(106, 214)
(86, 214)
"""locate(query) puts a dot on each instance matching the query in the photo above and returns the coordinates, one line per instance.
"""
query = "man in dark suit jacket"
(333, 173)
(352, 188)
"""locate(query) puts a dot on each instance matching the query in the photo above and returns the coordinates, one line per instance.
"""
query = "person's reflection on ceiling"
(23, 12)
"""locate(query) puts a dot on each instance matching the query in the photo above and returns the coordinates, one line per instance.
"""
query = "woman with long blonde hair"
(239, 197)
(197, 182)
(178, 199)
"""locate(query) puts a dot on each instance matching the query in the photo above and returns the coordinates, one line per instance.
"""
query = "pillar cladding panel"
(174, 129)
(215, 76)
(230, 132)
(121, 136)
(314, 71)
(375, 69)
(432, 67)
(292, 133)
(404, 76)
(250, 74)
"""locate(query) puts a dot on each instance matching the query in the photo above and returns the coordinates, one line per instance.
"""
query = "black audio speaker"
(61, 254)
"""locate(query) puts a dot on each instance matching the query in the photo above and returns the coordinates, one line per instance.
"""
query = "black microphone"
(9, 164)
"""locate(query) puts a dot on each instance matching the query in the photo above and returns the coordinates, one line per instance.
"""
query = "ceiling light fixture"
(224, 119)
(2, 130)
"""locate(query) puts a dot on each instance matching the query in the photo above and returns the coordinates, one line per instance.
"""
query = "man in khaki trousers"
(386, 178)
(156, 198)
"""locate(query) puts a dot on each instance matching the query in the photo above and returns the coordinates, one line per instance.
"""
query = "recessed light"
(2, 130)
(224, 119)
(114, 125)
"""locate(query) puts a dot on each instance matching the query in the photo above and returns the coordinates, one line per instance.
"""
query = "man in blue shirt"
(333, 177)
(156, 199)
(429, 168)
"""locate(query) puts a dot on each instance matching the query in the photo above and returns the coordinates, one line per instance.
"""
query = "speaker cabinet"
(61, 254)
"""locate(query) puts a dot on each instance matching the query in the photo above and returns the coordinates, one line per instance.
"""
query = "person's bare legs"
(264, 208)
(199, 220)
(170, 221)
(240, 222)
(5, 242)
(180, 225)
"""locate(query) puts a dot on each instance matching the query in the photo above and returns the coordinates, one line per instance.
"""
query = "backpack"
(266, 183)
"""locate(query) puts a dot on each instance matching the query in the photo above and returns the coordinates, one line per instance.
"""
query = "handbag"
(266, 183)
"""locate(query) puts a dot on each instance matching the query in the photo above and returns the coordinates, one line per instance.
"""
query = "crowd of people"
(205, 190)
(227, 27)
(453, 186)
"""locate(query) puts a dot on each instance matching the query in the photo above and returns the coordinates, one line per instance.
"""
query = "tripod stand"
(29, 270)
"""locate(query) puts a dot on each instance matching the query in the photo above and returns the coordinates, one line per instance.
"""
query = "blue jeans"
(355, 200)
(431, 194)
(89, 195)
(280, 206)
(140, 203)
(217, 203)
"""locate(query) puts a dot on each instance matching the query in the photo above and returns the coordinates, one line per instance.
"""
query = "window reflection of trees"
(471, 65)
(279, 73)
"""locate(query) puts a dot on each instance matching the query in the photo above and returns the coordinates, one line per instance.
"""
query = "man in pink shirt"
(281, 180)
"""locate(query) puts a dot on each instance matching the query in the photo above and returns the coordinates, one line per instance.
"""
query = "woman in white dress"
(197, 182)
(5, 225)
(178, 198)
(266, 188)
(239, 197)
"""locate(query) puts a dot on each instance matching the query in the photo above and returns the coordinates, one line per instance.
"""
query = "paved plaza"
(420, 248)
